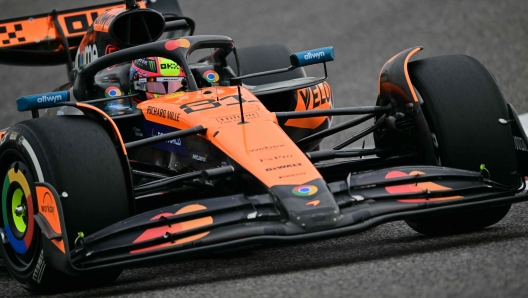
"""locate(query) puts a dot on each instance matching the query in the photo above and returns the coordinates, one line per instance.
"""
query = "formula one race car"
(160, 150)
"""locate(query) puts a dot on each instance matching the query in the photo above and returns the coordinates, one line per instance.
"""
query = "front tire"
(463, 105)
(77, 157)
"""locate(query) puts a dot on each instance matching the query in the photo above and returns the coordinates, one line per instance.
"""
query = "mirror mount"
(131, 4)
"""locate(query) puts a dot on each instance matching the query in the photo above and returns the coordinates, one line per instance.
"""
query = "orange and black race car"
(160, 150)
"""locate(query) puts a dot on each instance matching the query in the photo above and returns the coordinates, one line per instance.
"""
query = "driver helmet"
(154, 76)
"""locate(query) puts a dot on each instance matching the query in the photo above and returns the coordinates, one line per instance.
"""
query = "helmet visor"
(163, 85)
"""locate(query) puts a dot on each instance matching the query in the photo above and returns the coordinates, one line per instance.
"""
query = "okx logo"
(169, 66)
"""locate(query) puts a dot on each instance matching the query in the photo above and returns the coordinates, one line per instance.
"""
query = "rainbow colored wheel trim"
(304, 190)
(17, 192)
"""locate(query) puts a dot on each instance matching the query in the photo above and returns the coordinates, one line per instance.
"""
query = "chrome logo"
(211, 76)
(112, 92)
(304, 190)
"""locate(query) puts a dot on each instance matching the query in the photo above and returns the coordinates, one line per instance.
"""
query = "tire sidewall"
(17, 145)
(77, 156)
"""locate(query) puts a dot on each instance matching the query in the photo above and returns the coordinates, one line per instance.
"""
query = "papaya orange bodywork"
(259, 144)
(45, 198)
(40, 29)
(318, 97)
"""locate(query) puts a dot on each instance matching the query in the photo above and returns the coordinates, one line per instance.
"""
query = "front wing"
(204, 226)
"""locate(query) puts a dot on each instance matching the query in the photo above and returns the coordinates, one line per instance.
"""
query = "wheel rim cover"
(16, 189)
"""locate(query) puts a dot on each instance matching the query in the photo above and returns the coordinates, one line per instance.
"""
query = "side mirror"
(42, 101)
(311, 57)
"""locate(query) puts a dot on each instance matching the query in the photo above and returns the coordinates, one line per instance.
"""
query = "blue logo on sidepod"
(174, 146)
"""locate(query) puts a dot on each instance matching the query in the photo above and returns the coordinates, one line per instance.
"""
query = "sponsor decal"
(416, 188)
(199, 158)
(53, 98)
(311, 55)
(157, 112)
(166, 79)
(87, 55)
(275, 158)
(176, 142)
(152, 66)
(112, 91)
(169, 67)
(13, 136)
(163, 113)
(174, 146)
(172, 45)
(315, 96)
(236, 118)
(39, 268)
(158, 232)
(47, 204)
(267, 148)
(146, 64)
(292, 175)
(313, 203)
(283, 167)
(304, 190)
(141, 62)
(211, 76)
(47, 100)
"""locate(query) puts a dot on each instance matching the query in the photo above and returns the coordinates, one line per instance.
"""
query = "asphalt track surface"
(390, 260)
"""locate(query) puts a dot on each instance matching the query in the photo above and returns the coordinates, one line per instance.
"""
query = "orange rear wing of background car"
(34, 30)
(36, 39)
